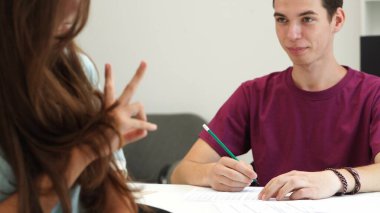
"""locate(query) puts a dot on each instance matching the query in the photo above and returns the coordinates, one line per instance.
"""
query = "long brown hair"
(48, 106)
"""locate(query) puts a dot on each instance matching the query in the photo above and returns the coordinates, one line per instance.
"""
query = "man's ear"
(338, 20)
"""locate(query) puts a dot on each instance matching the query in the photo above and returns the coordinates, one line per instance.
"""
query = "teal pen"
(223, 146)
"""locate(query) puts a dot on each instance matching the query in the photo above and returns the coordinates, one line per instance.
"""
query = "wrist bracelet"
(356, 176)
(342, 180)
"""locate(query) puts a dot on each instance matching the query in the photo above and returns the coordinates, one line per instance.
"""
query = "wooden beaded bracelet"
(342, 180)
(356, 176)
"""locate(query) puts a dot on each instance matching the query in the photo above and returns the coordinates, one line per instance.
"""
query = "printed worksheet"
(207, 195)
(246, 201)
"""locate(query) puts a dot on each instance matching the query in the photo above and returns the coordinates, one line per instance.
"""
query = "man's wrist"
(342, 181)
(350, 179)
(208, 177)
(345, 179)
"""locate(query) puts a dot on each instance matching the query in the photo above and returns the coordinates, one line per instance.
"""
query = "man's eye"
(281, 20)
(307, 19)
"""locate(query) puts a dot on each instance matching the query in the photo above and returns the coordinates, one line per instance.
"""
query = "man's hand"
(230, 175)
(302, 185)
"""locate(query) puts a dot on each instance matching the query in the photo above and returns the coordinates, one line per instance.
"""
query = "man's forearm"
(369, 178)
(193, 173)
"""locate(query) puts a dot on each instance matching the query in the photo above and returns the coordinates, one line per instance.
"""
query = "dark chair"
(150, 159)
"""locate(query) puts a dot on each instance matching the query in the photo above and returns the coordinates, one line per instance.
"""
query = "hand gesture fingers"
(131, 87)
(109, 88)
(135, 118)
(137, 110)
(135, 135)
(130, 119)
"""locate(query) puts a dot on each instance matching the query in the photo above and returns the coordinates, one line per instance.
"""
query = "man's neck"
(318, 76)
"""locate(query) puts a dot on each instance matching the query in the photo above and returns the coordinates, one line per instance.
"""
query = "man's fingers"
(130, 89)
(232, 182)
(290, 186)
(224, 188)
(240, 167)
(304, 193)
(232, 177)
(271, 188)
(283, 184)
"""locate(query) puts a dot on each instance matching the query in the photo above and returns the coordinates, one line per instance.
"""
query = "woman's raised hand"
(130, 118)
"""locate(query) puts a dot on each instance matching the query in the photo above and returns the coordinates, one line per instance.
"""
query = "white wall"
(198, 51)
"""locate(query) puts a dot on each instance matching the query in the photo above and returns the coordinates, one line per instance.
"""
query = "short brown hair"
(330, 5)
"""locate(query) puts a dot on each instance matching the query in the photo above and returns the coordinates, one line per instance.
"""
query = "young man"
(314, 128)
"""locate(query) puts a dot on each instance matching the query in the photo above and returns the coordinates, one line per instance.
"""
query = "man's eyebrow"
(278, 14)
(309, 12)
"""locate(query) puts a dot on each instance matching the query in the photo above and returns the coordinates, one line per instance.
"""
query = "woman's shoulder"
(89, 68)
(8, 185)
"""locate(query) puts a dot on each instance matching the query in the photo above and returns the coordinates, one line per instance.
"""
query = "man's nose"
(294, 31)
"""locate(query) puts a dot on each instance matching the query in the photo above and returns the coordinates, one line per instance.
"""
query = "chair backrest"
(175, 135)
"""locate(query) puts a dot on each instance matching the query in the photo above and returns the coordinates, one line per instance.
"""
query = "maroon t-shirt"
(292, 129)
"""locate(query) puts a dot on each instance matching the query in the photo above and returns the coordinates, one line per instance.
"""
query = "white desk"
(183, 199)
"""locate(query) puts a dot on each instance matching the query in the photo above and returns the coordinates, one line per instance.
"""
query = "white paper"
(246, 201)
(263, 207)
(190, 199)
(206, 195)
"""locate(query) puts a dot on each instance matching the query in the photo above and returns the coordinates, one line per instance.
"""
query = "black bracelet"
(356, 176)
(342, 180)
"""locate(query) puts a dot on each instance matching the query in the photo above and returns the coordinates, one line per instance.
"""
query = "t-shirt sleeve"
(231, 124)
(75, 199)
(7, 179)
(90, 69)
(375, 126)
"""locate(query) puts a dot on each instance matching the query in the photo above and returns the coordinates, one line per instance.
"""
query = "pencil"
(222, 145)
(220, 142)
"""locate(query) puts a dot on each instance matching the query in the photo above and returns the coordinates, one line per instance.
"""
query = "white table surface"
(175, 198)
